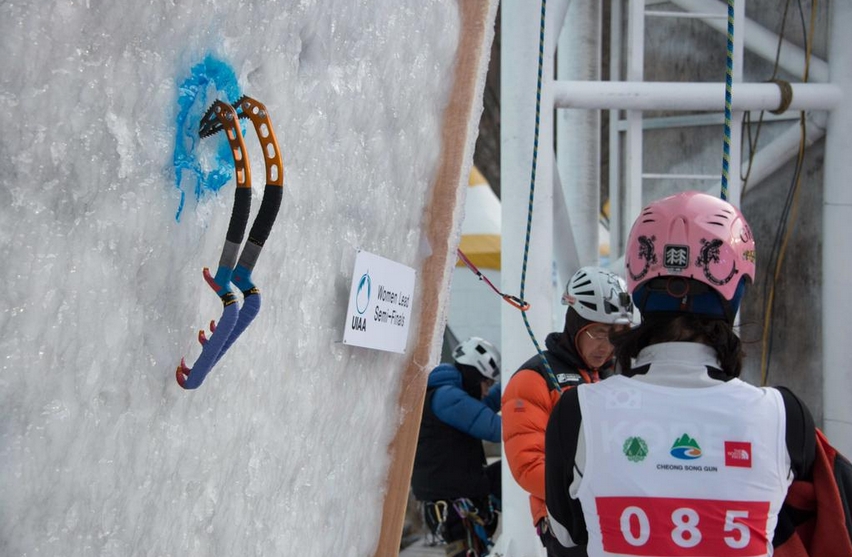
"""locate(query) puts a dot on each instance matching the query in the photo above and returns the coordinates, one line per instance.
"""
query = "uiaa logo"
(362, 296)
(362, 302)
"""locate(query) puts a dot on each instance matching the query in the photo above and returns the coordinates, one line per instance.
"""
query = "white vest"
(682, 471)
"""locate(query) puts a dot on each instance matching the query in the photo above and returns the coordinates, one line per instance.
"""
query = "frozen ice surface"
(283, 450)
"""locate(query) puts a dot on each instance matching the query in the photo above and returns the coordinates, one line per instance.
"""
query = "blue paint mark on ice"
(213, 166)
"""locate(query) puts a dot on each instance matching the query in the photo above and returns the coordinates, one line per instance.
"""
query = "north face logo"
(738, 454)
(563, 378)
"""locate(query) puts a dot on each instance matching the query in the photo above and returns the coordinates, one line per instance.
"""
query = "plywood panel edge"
(460, 127)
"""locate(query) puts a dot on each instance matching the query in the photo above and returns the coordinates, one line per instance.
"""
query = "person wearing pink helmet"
(677, 456)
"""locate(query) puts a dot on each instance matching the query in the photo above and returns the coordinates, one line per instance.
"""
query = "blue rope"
(550, 373)
(729, 79)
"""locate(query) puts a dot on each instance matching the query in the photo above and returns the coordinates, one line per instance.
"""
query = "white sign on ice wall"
(379, 304)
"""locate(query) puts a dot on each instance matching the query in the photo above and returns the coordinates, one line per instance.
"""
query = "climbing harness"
(435, 516)
(477, 539)
(513, 301)
(550, 374)
(222, 116)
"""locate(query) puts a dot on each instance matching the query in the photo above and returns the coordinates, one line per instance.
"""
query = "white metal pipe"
(648, 176)
(704, 119)
(679, 96)
(519, 67)
(760, 41)
(635, 40)
(566, 255)
(836, 238)
(633, 138)
(683, 15)
(578, 133)
(615, 228)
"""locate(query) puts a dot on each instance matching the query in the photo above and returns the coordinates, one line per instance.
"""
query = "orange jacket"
(527, 402)
(526, 406)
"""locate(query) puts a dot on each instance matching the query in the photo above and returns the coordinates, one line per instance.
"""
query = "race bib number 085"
(669, 526)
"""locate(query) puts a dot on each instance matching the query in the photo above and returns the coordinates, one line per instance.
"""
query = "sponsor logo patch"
(564, 378)
(738, 454)
(676, 257)
(685, 448)
(635, 449)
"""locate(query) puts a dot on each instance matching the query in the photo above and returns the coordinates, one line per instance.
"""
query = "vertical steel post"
(836, 238)
(521, 30)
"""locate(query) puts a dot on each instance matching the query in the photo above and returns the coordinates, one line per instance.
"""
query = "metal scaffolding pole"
(615, 226)
(578, 136)
(677, 96)
(836, 237)
(518, 69)
(633, 138)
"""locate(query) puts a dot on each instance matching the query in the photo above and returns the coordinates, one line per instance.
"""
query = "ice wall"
(283, 449)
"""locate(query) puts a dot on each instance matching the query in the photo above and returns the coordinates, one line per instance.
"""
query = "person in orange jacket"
(597, 302)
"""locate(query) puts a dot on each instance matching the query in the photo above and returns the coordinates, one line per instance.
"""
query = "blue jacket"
(450, 460)
(455, 407)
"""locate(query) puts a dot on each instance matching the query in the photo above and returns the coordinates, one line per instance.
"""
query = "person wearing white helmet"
(598, 304)
(458, 490)
(676, 455)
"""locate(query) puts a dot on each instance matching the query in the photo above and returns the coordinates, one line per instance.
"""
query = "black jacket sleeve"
(560, 448)
(801, 438)
(801, 445)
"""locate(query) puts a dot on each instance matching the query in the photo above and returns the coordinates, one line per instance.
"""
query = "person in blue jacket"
(459, 491)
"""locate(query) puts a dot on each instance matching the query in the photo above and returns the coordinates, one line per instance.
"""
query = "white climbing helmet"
(481, 354)
(599, 295)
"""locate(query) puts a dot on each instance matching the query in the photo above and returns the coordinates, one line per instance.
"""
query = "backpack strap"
(801, 434)
(801, 446)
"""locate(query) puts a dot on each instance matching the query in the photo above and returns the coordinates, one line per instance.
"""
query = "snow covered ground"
(285, 444)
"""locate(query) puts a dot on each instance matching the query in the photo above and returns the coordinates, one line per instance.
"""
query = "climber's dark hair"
(680, 327)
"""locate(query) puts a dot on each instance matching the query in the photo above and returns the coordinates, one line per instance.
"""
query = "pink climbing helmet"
(695, 236)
